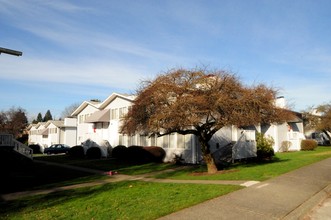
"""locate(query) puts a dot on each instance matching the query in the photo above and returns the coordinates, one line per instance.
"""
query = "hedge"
(308, 145)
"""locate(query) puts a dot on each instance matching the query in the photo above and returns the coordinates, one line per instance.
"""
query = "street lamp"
(11, 52)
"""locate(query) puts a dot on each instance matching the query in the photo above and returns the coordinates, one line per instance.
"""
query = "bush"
(138, 154)
(93, 153)
(264, 147)
(285, 147)
(119, 152)
(308, 144)
(77, 151)
(157, 153)
(36, 148)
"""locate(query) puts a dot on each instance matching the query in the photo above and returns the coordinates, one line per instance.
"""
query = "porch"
(9, 141)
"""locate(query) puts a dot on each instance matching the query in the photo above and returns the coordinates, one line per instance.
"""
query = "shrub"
(285, 147)
(308, 144)
(138, 154)
(36, 148)
(178, 159)
(119, 152)
(77, 151)
(264, 147)
(93, 153)
(157, 154)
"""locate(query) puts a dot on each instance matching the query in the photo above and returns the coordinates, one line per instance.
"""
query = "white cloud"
(84, 72)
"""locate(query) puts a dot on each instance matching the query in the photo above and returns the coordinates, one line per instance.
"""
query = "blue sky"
(81, 50)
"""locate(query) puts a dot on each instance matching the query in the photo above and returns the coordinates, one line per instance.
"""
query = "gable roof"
(84, 105)
(115, 95)
(58, 124)
(40, 124)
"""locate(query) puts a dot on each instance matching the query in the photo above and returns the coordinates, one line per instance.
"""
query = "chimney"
(280, 102)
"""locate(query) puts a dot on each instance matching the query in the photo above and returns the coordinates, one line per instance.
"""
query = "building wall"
(84, 130)
(53, 135)
(69, 136)
(186, 146)
(110, 131)
(33, 135)
(292, 132)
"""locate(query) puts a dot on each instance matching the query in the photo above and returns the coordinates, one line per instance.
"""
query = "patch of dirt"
(210, 174)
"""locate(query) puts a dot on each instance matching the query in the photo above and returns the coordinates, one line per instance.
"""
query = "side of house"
(100, 122)
(53, 132)
(38, 134)
(84, 129)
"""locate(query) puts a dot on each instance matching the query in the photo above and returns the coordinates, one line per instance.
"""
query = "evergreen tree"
(48, 116)
(39, 118)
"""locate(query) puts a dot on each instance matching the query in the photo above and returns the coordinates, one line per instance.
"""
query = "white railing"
(8, 140)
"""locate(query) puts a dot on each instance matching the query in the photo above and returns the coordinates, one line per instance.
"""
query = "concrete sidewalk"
(289, 196)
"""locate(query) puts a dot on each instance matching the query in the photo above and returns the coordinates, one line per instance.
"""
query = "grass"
(140, 200)
(40, 176)
(282, 163)
(108, 164)
(122, 200)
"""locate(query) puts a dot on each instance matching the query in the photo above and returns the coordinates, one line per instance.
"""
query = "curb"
(305, 208)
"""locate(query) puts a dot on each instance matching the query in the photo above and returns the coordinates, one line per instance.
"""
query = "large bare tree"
(199, 102)
(320, 120)
(13, 121)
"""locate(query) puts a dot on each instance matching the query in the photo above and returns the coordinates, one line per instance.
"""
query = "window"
(165, 143)
(154, 140)
(188, 140)
(143, 140)
(184, 141)
(180, 141)
(172, 143)
(114, 113)
(131, 140)
(123, 111)
(82, 118)
(53, 130)
(121, 140)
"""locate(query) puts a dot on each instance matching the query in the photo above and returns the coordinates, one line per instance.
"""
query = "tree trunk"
(211, 166)
(208, 158)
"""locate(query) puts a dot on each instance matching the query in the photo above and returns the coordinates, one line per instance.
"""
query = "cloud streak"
(106, 46)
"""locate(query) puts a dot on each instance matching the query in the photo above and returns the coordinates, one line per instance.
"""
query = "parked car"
(57, 149)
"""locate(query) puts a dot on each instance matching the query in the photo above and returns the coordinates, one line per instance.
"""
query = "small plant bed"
(122, 200)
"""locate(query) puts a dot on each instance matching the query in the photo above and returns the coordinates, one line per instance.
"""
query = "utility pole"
(11, 52)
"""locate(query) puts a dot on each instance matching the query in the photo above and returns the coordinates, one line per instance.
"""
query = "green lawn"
(107, 164)
(282, 163)
(122, 200)
(142, 200)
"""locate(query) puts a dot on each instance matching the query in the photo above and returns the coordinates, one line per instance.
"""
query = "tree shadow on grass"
(254, 162)
(232, 167)
(40, 202)
(32, 176)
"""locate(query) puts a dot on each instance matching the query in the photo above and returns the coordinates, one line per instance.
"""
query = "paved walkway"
(321, 212)
(289, 196)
